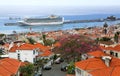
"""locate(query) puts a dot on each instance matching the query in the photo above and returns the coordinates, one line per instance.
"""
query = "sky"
(44, 7)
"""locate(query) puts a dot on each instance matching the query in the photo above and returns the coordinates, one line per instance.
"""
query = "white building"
(24, 52)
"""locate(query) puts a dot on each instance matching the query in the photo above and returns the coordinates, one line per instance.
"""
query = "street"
(55, 71)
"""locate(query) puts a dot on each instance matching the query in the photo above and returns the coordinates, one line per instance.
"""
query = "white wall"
(80, 72)
(27, 55)
(108, 52)
(12, 55)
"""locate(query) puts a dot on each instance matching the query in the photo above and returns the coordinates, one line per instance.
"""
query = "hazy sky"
(57, 6)
(61, 2)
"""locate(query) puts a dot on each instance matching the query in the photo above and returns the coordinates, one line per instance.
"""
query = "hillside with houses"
(92, 51)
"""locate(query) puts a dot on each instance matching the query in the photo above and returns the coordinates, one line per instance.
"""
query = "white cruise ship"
(51, 20)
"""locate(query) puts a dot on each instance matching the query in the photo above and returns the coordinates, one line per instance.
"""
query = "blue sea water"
(18, 28)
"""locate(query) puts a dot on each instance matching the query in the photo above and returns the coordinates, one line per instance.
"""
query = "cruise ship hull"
(52, 20)
(34, 24)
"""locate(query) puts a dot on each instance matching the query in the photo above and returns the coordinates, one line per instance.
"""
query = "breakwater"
(11, 24)
(86, 21)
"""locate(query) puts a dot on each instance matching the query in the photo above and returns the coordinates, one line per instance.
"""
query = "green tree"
(1, 35)
(44, 38)
(71, 68)
(105, 39)
(116, 37)
(39, 63)
(48, 42)
(97, 40)
(31, 41)
(27, 70)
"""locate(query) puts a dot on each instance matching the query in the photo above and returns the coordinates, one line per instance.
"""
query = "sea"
(20, 29)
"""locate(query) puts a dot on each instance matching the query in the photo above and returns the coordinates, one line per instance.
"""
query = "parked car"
(64, 67)
(47, 67)
(61, 60)
(57, 61)
(39, 73)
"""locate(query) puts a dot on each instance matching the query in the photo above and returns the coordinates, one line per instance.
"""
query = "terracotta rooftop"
(6, 45)
(26, 46)
(41, 47)
(117, 47)
(97, 67)
(13, 49)
(91, 64)
(46, 53)
(114, 48)
(96, 53)
(114, 62)
(9, 66)
(111, 71)
(33, 34)
(57, 44)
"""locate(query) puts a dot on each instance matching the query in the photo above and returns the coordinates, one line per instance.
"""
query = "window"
(111, 53)
(78, 70)
(33, 51)
(116, 54)
(34, 60)
(104, 51)
(18, 56)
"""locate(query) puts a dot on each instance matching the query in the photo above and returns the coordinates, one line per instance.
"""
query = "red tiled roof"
(91, 64)
(109, 48)
(33, 34)
(6, 45)
(102, 47)
(41, 47)
(46, 53)
(115, 62)
(117, 47)
(13, 49)
(26, 46)
(96, 53)
(4, 72)
(97, 67)
(9, 66)
(111, 71)
(57, 44)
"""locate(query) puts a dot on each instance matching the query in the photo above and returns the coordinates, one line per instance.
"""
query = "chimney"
(107, 60)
